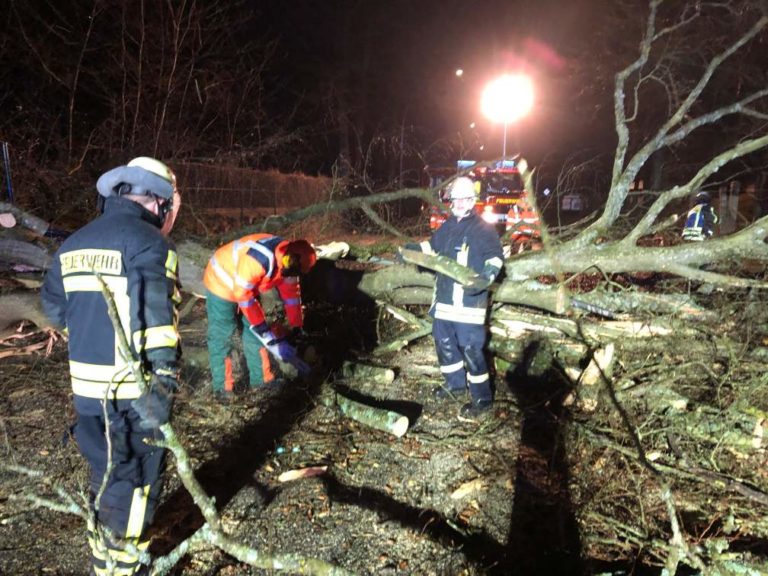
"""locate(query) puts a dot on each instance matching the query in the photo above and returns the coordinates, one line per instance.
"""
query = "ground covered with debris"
(440, 500)
(542, 485)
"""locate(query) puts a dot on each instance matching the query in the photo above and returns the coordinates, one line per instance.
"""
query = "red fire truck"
(501, 197)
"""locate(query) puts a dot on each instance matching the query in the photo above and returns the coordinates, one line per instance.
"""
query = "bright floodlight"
(508, 98)
(459, 72)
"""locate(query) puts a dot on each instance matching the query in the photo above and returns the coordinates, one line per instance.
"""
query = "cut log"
(382, 282)
(517, 323)
(440, 264)
(377, 374)
(37, 225)
(378, 418)
(401, 341)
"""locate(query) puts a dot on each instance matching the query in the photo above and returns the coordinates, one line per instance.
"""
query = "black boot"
(448, 393)
(476, 408)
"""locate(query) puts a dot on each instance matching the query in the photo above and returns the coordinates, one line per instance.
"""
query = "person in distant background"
(701, 219)
(235, 276)
(118, 424)
(459, 311)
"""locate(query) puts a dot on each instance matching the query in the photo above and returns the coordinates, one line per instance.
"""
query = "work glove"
(280, 348)
(284, 352)
(263, 333)
(477, 285)
(409, 246)
(154, 404)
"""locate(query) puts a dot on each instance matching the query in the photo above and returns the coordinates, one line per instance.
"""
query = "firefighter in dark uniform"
(459, 311)
(701, 219)
(128, 249)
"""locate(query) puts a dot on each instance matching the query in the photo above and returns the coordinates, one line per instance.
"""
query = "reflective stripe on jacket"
(700, 222)
(139, 266)
(472, 243)
(242, 269)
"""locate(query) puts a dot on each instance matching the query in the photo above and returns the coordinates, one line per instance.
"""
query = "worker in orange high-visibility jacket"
(236, 275)
(523, 222)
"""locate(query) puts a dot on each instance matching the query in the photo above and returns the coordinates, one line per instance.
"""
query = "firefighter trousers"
(461, 357)
(224, 318)
(125, 501)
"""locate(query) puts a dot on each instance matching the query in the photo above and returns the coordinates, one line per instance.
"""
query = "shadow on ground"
(543, 533)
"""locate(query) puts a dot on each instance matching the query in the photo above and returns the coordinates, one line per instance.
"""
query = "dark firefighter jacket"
(700, 222)
(472, 243)
(139, 265)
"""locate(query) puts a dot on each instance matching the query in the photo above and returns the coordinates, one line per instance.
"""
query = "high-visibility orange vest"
(525, 220)
(242, 269)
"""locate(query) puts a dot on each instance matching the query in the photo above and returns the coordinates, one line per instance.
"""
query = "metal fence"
(226, 189)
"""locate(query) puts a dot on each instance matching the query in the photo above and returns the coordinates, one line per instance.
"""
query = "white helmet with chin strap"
(144, 176)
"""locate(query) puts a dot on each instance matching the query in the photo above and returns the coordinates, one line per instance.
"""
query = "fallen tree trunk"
(20, 306)
(274, 224)
(403, 285)
(13, 252)
(681, 260)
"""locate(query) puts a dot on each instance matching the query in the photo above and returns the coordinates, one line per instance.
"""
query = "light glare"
(508, 98)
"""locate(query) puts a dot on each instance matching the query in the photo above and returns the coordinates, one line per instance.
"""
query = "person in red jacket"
(235, 277)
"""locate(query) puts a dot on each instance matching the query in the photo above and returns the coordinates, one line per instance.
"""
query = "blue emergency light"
(465, 164)
(504, 164)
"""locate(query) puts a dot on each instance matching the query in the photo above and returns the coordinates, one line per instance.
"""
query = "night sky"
(297, 85)
(399, 59)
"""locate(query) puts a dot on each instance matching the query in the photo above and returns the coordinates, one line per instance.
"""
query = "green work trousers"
(223, 319)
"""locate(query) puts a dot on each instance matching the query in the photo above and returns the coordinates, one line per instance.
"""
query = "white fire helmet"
(144, 176)
(462, 189)
(158, 168)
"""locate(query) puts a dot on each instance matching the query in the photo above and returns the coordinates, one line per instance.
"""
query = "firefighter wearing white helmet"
(459, 311)
(462, 195)
(127, 249)
(147, 181)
